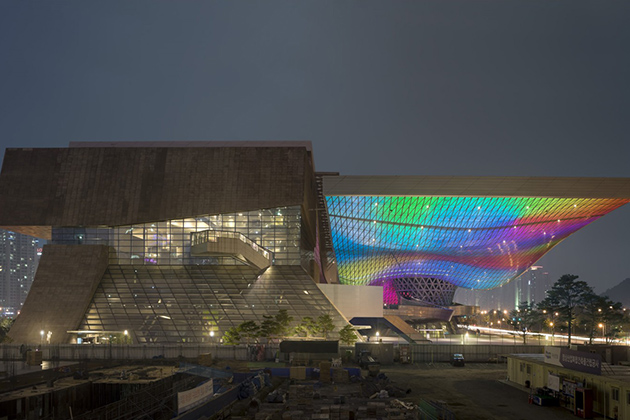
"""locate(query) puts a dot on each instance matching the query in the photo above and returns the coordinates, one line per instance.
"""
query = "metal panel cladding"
(472, 242)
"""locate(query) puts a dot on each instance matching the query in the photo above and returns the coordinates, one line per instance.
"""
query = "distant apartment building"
(530, 287)
(19, 256)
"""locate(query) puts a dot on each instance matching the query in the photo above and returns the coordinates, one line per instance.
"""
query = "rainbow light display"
(471, 242)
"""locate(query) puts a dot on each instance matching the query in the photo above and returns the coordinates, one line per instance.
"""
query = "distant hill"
(620, 293)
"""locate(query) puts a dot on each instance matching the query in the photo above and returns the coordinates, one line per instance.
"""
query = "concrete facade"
(63, 288)
(40, 188)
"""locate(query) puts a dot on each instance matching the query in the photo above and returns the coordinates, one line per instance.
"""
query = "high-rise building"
(19, 256)
(530, 287)
(178, 242)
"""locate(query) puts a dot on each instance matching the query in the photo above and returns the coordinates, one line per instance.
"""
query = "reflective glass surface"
(184, 304)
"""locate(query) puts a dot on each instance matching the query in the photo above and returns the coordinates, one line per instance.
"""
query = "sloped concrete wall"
(64, 284)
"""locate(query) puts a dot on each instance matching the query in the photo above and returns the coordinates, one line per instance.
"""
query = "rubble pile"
(369, 398)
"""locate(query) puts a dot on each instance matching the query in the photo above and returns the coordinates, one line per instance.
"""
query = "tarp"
(194, 397)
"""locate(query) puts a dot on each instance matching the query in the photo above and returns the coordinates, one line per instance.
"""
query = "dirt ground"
(475, 391)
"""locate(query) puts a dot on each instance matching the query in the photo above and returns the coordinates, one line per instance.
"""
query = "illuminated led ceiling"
(472, 242)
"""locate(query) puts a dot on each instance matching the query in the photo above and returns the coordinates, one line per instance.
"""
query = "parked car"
(457, 359)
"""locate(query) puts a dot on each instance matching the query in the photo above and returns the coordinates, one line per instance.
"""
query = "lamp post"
(603, 327)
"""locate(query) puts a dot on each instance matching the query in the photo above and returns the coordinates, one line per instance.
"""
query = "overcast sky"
(380, 87)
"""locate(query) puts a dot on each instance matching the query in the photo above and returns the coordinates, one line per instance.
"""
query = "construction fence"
(420, 353)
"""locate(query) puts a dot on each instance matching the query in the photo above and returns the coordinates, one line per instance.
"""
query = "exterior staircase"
(404, 329)
(218, 243)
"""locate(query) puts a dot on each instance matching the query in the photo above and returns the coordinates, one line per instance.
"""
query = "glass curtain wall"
(168, 242)
(170, 304)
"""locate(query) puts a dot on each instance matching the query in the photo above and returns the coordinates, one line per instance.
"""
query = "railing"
(205, 236)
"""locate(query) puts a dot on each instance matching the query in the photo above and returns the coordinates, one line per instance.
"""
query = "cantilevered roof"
(476, 186)
(474, 232)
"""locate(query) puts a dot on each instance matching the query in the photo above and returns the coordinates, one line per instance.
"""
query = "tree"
(5, 326)
(307, 327)
(347, 335)
(284, 320)
(269, 328)
(564, 297)
(248, 330)
(613, 319)
(277, 326)
(524, 318)
(591, 314)
(325, 324)
(232, 337)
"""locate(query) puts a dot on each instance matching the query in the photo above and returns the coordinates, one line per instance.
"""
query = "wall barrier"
(137, 352)
(435, 353)
(420, 353)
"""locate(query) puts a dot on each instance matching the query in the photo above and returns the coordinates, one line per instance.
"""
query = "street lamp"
(41, 338)
(603, 327)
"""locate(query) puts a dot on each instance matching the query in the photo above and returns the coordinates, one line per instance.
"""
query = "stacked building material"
(340, 376)
(297, 372)
(33, 358)
(324, 371)
(376, 409)
(204, 359)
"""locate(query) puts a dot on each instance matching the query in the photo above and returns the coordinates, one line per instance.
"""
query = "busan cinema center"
(178, 242)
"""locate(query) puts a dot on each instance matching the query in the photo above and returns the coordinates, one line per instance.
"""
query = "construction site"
(317, 384)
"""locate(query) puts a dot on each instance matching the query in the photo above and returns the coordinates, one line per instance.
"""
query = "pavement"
(474, 392)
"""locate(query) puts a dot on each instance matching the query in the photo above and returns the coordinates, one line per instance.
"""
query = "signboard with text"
(572, 359)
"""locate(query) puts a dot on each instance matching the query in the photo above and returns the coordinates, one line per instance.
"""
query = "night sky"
(466, 87)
